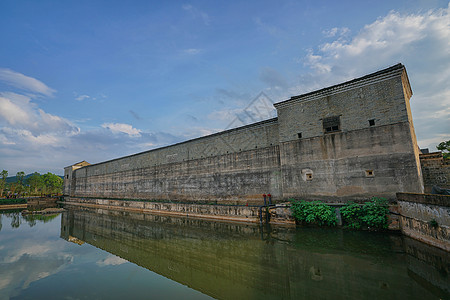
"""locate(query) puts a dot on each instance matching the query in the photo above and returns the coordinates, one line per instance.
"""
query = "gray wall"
(238, 166)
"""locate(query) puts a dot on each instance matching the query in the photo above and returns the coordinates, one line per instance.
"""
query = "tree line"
(33, 185)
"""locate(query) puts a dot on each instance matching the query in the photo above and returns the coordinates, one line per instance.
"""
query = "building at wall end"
(350, 141)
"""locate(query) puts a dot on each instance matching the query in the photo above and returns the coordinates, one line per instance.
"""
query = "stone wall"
(338, 165)
(382, 98)
(236, 213)
(435, 170)
(426, 218)
(237, 178)
(372, 151)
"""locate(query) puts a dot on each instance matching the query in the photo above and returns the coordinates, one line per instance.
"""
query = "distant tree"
(3, 175)
(20, 176)
(445, 148)
(53, 183)
(35, 182)
(20, 181)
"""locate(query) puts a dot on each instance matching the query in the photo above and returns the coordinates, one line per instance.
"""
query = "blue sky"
(96, 80)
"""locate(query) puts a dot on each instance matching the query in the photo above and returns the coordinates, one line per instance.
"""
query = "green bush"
(314, 212)
(13, 201)
(352, 214)
(372, 214)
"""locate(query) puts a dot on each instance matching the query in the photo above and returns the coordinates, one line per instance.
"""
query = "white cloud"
(111, 260)
(19, 112)
(24, 82)
(197, 13)
(336, 31)
(32, 250)
(12, 111)
(122, 128)
(192, 51)
(30, 137)
(420, 41)
(82, 97)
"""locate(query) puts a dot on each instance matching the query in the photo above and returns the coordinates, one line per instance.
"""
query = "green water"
(102, 254)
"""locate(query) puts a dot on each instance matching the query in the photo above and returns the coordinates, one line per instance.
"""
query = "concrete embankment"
(279, 214)
(425, 217)
(12, 206)
(236, 213)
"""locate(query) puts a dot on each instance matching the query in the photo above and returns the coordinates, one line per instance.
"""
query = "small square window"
(331, 124)
(309, 176)
(299, 135)
(372, 122)
(369, 173)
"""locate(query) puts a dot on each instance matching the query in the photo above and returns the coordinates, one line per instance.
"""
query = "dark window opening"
(372, 122)
(309, 176)
(67, 176)
(331, 124)
(369, 173)
(299, 135)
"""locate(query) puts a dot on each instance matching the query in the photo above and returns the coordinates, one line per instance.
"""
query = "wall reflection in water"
(235, 261)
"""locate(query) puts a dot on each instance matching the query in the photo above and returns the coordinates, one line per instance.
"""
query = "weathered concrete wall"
(380, 98)
(372, 152)
(426, 218)
(233, 178)
(234, 213)
(435, 170)
(338, 161)
(337, 164)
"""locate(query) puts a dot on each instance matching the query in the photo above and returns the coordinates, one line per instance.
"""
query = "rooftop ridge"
(374, 75)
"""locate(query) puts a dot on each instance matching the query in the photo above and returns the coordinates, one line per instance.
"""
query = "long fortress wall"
(350, 141)
(237, 165)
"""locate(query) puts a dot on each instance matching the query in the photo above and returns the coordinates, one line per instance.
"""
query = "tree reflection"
(15, 220)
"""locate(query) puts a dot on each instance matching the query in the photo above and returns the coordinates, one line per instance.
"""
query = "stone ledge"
(431, 199)
(424, 232)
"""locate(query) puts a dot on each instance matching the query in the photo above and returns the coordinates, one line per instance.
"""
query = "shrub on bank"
(13, 201)
(373, 214)
(314, 212)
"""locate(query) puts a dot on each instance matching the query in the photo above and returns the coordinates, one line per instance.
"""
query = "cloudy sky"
(96, 80)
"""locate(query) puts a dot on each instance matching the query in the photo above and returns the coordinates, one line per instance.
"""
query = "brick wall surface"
(435, 170)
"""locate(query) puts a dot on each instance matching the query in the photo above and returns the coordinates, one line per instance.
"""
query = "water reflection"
(17, 218)
(201, 259)
(227, 261)
(35, 263)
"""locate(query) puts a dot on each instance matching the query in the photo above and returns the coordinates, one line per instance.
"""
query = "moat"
(105, 254)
